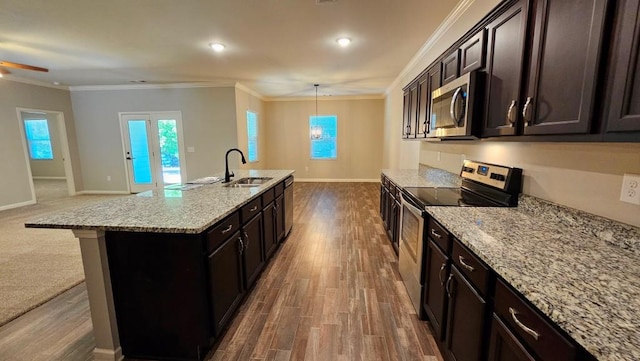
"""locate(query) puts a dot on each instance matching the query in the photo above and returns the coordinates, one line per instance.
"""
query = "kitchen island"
(152, 262)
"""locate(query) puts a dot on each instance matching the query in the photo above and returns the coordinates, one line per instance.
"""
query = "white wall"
(15, 189)
(48, 168)
(360, 131)
(585, 176)
(209, 125)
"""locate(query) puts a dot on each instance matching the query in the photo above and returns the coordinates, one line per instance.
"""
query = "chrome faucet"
(227, 174)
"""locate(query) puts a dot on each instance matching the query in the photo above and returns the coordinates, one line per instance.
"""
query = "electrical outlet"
(630, 192)
(108, 178)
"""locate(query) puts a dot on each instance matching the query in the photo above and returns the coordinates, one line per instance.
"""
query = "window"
(323, 130)
(252, 136)
(38, 139)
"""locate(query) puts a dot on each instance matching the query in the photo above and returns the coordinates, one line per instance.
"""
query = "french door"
(153, 149)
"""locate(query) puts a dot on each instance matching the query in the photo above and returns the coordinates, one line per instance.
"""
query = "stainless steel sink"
(248, 182)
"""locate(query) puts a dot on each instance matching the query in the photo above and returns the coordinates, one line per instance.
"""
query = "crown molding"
(151, 86)
(33, 82)
(327, 98)
(249, 90)
(442, 29)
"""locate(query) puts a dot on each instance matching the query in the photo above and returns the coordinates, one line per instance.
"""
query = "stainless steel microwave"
(453, 107)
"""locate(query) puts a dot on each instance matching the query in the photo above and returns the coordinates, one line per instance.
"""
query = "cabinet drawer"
(279, 188)
(392, 189)
(439, 235)
(531, 327)
(221, 231)
(268, 196)
(471, 266)
(250, 209)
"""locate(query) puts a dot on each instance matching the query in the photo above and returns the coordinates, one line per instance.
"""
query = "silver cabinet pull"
(226, 230)
(253, 209)
(408, 128)
(435, 234)
(444, 265)
(240, 245)
(526, 115)
(246, 237)
(447, 287)
(511, 113)
(465, 265)
(526, 329)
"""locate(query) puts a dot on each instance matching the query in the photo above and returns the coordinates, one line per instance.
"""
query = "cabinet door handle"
(240, 245)
(526, 114)
(226, 230)
(511, 113)
(524, 327)
(407, 129)
(253, 209)
(444, 265)
(435, 234)
(246, 237)
(465, 265)
(447, 287)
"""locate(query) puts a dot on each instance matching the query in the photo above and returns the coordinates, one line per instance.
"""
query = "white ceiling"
(278, 48)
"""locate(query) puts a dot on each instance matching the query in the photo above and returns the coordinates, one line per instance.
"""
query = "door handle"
(526, 114)
(511, 114)
(452, 108)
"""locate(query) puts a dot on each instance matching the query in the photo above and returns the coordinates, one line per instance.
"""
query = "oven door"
(411, 248)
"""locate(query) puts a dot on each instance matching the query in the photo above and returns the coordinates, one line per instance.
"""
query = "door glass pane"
(170, 156)
(141, 162)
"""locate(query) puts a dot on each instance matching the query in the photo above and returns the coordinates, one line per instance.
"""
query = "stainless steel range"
(483, 185)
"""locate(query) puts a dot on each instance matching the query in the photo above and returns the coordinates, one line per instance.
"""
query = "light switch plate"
(630, 192)
(191, 149)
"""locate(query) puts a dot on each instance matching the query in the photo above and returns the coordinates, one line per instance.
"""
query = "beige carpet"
(38, 264)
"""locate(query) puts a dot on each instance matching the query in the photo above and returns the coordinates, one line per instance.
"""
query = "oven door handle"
(407, 203)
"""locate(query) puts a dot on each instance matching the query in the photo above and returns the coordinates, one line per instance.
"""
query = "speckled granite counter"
(573, 272)
(163, 210)
(581, 270)
(422, 177)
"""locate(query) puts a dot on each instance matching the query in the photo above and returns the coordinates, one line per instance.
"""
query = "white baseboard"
(102, 354)
(52, 178)
(103, 192)
(17, 205)
(335, 180)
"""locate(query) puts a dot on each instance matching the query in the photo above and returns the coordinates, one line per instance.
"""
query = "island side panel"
(98, 279)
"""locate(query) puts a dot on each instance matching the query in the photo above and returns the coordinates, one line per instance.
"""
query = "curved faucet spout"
(227, 174)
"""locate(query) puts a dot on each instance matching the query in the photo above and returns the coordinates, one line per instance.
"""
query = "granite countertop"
(581, 270)
(163, 210)
(422, 177)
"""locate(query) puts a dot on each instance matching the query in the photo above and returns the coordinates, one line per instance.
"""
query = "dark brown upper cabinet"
(565, 54)
(427, 83)
(472, 53)
(410, 111)
(624, 95)
(451, 66)
(505, 61)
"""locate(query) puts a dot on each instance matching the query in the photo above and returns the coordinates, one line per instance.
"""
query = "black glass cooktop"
(459, 197)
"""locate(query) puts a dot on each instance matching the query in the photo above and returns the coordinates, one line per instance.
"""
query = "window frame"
(256, 139)
(31, 140)
(335, 138)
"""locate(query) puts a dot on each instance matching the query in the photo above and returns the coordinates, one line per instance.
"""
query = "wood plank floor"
(332, 292)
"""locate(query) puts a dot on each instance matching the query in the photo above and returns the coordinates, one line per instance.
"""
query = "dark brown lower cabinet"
(435, 296)
(252, 253)
(465, 319)
(504, 345)
(226, 281)
(279, 205)
(269, 228)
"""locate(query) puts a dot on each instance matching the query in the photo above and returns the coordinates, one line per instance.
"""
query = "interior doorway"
(153, 149)
(46, 150)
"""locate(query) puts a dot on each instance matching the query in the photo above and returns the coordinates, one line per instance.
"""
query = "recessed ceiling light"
(56, 83)
(343, 42)
(217, 47)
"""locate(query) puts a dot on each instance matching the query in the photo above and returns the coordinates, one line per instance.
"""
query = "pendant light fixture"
(316, 130)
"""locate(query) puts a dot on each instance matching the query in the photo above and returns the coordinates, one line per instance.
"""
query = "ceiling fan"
(8, 64)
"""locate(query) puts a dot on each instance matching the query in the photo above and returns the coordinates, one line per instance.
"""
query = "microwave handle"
(452, 109)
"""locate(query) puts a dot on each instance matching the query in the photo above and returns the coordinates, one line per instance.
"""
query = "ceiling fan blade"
(9, 64)
(4, 71)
